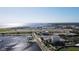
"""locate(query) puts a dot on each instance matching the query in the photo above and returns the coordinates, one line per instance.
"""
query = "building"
(57, 41)
(54, 40)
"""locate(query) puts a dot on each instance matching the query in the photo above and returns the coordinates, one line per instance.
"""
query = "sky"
(18, 15)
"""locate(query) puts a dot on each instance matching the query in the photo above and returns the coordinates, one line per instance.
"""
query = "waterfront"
(50, 37)
(17, 43)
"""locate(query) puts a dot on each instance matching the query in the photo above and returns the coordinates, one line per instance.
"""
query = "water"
(17, 43)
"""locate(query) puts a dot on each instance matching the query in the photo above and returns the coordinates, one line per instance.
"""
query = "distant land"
(35, 25)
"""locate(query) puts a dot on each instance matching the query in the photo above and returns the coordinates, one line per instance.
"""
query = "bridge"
(41, 44)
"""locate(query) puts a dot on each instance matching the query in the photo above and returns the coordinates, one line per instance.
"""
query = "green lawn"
(3, 30)
(70, 49)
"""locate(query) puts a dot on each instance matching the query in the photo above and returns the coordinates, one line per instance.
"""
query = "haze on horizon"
(19, 15)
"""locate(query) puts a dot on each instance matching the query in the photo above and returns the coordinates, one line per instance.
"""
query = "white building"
(56, 38)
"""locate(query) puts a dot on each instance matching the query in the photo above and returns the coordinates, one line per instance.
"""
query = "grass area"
(4, 30)
(70, 49)
(11, 31)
